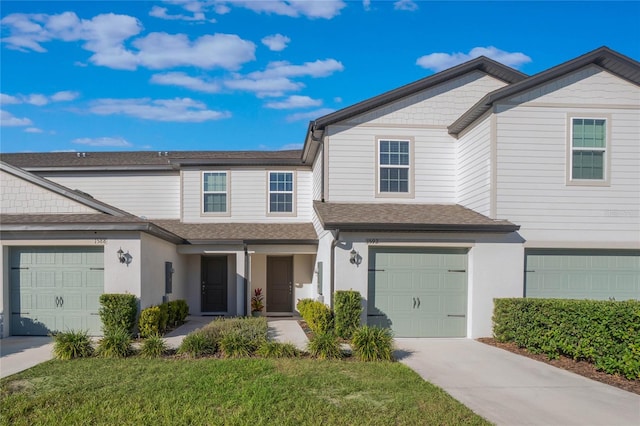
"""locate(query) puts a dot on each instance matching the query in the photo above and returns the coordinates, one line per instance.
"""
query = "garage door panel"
(422, 291)
(55, 289)
(583, 274)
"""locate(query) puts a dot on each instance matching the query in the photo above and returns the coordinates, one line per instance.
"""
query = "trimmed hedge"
(155, 319)
(347, 310)
(317, 315)
(118, 312)
(606, 333)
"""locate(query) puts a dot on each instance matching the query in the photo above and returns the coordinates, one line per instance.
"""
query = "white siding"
(20, 196)
(352, 164)
(474, 168)
(155, 195)
(532, 164)
(246, 197)
(436, 106)
(423, 117)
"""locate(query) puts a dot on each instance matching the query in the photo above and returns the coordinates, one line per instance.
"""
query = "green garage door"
(418, 292)
(583, 274)
(55, 289)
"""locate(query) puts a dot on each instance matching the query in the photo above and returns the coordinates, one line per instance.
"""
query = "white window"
(280, 192)
(588, 149)
(214, 192)
(394, 162)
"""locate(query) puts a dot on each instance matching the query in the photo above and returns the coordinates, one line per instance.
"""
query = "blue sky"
(245, 75)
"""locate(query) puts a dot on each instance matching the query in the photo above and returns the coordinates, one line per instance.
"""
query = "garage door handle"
(376, 270)
(418, 302)
(457, 270)
(456, 316)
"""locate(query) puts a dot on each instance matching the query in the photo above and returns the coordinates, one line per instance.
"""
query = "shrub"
(254, 328)
(118, 312)
(318, 316)
(235, 344)
(150, 320)
(153, 347)
(196, 344)
(72, 344)
(372, 344)
(348, 307)
(177, 311)
(325, 346)
(302, 306)
(115, 344)
(278, 350)
(606, 333)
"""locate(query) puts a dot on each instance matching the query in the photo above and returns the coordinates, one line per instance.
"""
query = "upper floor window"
(280, 192)
(588, 149)
(214, 192)
(394, 162)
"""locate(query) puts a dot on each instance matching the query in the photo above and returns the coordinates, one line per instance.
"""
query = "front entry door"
(214, 284)
(279, 283)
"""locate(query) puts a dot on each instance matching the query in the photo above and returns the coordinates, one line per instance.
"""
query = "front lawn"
(225, 391)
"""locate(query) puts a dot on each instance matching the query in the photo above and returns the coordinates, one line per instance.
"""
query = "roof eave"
(419, 227)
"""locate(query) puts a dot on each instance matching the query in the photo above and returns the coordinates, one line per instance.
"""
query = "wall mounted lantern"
(354, 257)
(123, 257)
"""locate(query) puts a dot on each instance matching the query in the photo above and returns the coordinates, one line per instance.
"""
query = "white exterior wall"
(154, 195)
(423, 117)
(495, 268)
(247, 197)
(317, 175)
(118, 278)
(532, 140)
(21, 196)
(155, 252)
(473, 171)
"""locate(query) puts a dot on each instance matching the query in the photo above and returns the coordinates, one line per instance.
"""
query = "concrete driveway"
(18, 353)
(509, 389)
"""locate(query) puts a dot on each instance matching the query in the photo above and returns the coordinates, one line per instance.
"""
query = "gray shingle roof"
(147, 159)
(407, 217)
(38, 219)
(268, 232)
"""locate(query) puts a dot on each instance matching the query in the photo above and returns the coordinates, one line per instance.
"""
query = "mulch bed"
(582, 368)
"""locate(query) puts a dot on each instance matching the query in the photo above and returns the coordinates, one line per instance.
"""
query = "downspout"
(246, 280)
(321, 143)
(334, 243)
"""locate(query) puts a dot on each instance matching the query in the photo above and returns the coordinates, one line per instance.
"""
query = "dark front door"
(279, 283)
(214, 284)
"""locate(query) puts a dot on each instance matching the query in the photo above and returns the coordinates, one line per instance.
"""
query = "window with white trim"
(394, 164)
(588, 148)
(214, 192)
(280, 192)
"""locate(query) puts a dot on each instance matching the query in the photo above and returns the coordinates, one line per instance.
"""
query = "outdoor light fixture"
(123, 257)
(354, 257)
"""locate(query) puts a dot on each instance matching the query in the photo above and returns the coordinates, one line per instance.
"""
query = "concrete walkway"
(509, 389)
(18, 353)
(287, 330)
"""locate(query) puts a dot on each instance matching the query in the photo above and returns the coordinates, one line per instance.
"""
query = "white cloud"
(366, 5)
(64, 96)
(408, 5)
(36, 99)
(319, 68)
(294, 101)
(325, 9)
(162, 50)
(9, 120)
(105, 36)
(264, 87)
(33, 130)
(337, 100)
(183, 80)
(311, 115)
(442, 61)
(8, 99)
(183, 110)
(290, 146)
(276, 42)
(104, 141)
(161, 12)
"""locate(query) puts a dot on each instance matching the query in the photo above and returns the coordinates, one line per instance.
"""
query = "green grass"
(225, 391)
